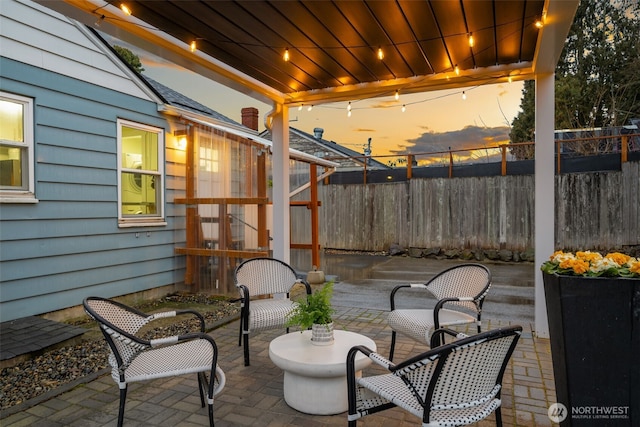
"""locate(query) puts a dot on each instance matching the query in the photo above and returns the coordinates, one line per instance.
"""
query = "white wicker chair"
(270, 278)
(133, 358)
(462, 288)
(452, 385)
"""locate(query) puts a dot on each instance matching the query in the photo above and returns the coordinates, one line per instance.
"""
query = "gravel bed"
(55, 368)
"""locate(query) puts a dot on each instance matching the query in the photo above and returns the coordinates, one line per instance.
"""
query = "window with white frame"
(140, 174)
(16, 148)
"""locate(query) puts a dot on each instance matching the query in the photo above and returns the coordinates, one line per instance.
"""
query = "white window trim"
(28, 195)
(146, 221)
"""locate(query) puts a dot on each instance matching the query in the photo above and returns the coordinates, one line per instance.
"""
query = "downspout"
(268, 118)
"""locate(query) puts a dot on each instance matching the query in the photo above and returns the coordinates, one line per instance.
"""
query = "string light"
(193, 46)
(457, 70)
(404, 106)
(471, 41)
(300, 107)
(397, 95)
(125, 9)
(349, 113)
(380, 54)
(539, 24)
(286, 56)
(310, 107)
(349, 106)
(510, 79)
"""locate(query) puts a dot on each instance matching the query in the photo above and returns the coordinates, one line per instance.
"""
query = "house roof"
(177, 99)
(340, 150)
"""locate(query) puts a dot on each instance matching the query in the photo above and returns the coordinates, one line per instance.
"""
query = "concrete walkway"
(253, 395)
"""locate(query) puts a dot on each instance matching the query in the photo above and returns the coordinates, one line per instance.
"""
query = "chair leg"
(498, 417)
(123, 398)
(393, 345)
(202, 383)
(211, 423)
(246, 349)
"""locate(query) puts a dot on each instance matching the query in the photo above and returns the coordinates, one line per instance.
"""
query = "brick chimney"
(250, 117)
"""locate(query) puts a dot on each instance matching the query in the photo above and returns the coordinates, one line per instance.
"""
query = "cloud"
(468, 138)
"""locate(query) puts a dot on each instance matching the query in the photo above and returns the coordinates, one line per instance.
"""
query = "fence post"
(315, 246)
(364, 178)
(558, 142)
(625, 148)
(409, 166)
(450, 163)
(503, 151)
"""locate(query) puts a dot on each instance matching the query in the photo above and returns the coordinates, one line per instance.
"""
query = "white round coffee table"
(315, 377)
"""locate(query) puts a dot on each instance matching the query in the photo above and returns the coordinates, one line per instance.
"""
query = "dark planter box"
(594, 326)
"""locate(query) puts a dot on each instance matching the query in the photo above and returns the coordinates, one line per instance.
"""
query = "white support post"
(544, 191)
(280, 171)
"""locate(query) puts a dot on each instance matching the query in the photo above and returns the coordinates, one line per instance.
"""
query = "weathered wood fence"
(599, 210)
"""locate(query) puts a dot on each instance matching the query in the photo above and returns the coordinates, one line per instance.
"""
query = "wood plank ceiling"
(334, 44)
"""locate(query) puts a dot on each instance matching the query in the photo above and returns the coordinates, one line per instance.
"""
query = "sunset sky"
(433, 121)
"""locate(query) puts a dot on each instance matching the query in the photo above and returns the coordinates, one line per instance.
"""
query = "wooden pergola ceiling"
(333, 45)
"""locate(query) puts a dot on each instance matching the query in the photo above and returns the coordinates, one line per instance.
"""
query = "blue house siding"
(68, 246)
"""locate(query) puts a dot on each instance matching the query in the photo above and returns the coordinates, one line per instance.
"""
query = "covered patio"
(293, 53)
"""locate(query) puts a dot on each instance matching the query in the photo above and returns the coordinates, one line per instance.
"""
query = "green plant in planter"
(314, 309)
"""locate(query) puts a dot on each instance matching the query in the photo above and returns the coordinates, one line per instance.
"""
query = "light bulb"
(510, 79)
(457, 70)
(397, 95)
(349, 113)
(286, 56)
(310, 107)
(539, 24)
(464, 95)
(380, 54)
(349, 106)
(471, 41)
(404, 108)
(193, 46)
(125, 9)
(300, 107)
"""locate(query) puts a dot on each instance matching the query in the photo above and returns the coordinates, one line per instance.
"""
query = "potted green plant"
(315, 312)
(593, 308)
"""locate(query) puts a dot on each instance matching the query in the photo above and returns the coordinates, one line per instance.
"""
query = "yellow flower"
(603, 265)
(619, 258)
(580, 267)
(556, 254)
(588, 256)
(577, 265)
(635, 267)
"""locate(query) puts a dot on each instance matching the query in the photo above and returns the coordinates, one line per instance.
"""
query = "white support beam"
(280, 171)
(544, 191)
